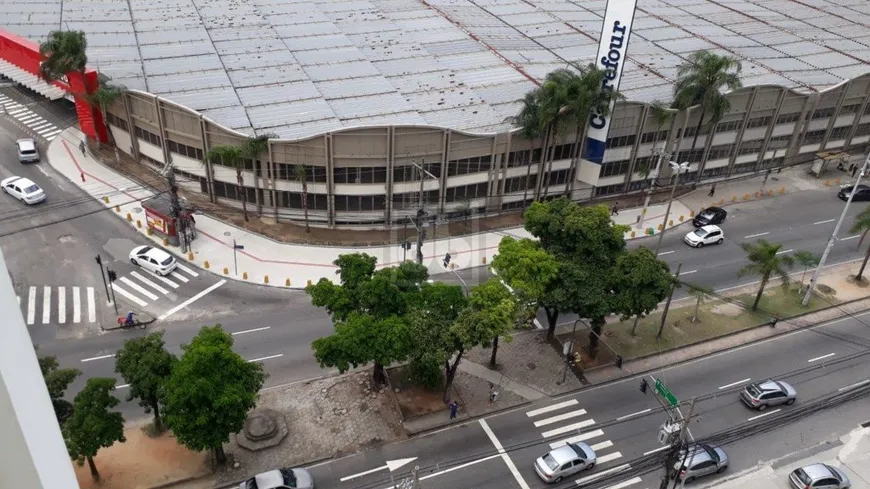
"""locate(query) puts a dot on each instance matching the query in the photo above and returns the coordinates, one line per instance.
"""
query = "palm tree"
(254, 148)
(699, 293)
(862, 224)
(302, 175)
(63, 52)
(233, 157)
(765, 261)
(531, 128)
(101, 99)
(700, 81)
(807, 259)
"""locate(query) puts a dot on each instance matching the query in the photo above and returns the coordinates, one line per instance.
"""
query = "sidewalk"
(851, 455)
(265, 261)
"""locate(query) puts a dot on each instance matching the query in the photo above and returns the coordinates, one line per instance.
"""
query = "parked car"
(27, 150)
(23, 189)
(761, 395)
(705, 235)
(565, 461)
(862, 193)
(700, 460)
(280, 479)
(818, 476)
(710, 215)
(153, 259)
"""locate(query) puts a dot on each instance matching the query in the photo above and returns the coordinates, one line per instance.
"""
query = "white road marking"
(391, 465)
(829, 355)
(191, 300)
(756, 235)
(609, 457)
(61, 305)
(504, 455)
(688, 273)
(77, 306)
(569, 428)
(598, 475)
(732, 384)
(850, 237)
(451, 469)
(626, 483)
(554, 407)
(602, 445)
(251, 330)
(31, 305)
(824, 222)
(784, 251)
(179, 276)
(46, 305)
(659, 449)
(162, 279)
(576, 439)
(856, 384)
(131, 297)
(560, 417)
(138, 288)
(187, 270)
(101, 357)
(633, 414)
(122, 386)
(149, 283)
(667, 252)
(266, 358)
(763, 415)
(92, 306)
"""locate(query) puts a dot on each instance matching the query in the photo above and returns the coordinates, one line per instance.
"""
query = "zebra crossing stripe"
(131, 297)
(575, 439)
(77, 308)
(569, 428)
(138, 288)
(610, 456)
(601, 474)
(61, 305)
(554, 407)
(179, 276)
(187, 270)
(31, 305)
(46, 304)
(92, 307)
(626, 483)
(162, 279)
(560, 417)
(149, 283)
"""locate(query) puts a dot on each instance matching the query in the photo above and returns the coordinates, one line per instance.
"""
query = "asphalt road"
(621, 423)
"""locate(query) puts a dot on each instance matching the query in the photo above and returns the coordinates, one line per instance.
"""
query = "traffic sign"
(665, 393)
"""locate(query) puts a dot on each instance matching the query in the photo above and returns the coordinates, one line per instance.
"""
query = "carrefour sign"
(612, 49)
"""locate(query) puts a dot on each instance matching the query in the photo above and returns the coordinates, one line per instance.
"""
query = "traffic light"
(644, 385)
(618, 361)
(446, 260)
(99, 260)
(406, 245)
(112, 275)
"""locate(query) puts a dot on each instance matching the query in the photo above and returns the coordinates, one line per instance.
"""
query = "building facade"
(375, 177)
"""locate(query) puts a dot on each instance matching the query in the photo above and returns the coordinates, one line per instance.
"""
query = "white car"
(153, 259)
(23, 189)
(705, 235)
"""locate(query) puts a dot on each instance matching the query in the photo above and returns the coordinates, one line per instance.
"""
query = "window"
(519, 185)
(356, 203)
(557, 177)
(609, 189)
(862, 130)
(621, 141)
(788, 118)
(839, 133)
(744, 167)
(779, 142)
(823, 113)
(849, 109)
(562, 151)
(715, 172)
(148, 137)
(758, 122)
(814, 137)
(652, 137)
(719, 152)
(524, 157)
(465, 166)
(750, 147)
(467, 192)
(614, 168)
(116, 121)
(692, 156)
(184, 150)
(728, 126)
(360, 175)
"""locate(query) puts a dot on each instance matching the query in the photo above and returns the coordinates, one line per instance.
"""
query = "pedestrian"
(82, 147)
(854, 170)
(712, 190)
(493, 394)
(614, 211)
(454, 409)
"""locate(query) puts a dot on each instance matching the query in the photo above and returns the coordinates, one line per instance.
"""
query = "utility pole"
(679, 167)
(668, 303)
(103, 275)
(420, 222)
(655, 177)
(112, 277)
(175, 209)
(676, 447)
(833, 237)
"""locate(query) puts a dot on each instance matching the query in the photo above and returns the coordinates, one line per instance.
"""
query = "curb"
(183, 480)
(467, 420)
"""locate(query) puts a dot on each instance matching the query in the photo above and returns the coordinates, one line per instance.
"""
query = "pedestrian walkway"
(142, 287)
(31, 121)
(59, 305)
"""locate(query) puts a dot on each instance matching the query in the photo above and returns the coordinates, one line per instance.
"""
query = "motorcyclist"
(130, 321)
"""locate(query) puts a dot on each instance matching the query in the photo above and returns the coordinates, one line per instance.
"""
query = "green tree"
(431, 315)
(301, 173)
(63, 52)
(145, 365)
(362, 339)
(640, 281)
(210, 392)
(699, 293)
(700, 81)
(254, 148)
(92, 425)
(531, 127)
(861, 224)
(765, 262)
(808, 259)
(530, 271)
(57, 380)
(232, 157)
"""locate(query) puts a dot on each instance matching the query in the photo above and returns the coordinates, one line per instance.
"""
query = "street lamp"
(678, 168)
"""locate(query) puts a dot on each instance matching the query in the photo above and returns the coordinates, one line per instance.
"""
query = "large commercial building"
(363, 92)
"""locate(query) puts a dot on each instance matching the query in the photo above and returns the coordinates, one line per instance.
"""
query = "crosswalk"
(142, 287)
(30, 119)
(42, 300)
(565, 422)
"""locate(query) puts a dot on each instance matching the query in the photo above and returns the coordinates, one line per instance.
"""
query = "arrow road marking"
(391, 465)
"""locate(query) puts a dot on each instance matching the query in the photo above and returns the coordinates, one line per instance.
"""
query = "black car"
(862, 192)
(710, 215)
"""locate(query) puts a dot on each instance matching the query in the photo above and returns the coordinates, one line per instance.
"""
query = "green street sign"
(665, 393)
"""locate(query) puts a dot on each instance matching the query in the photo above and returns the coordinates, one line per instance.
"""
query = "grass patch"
(715, 318)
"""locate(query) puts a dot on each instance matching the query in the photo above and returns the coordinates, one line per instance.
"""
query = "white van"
(27, 150)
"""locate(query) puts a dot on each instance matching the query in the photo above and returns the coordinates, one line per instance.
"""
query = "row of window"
(184, 150)
(147, 136)
(116, 121)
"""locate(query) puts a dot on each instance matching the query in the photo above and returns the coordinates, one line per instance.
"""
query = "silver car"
(27, 150)
(280, 479)
(700, 460)
(819, 476)
(565, 461)
(761, 395)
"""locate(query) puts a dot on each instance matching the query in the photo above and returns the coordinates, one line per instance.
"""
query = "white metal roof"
(301, 67)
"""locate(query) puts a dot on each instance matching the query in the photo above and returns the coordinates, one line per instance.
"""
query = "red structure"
(25, 55)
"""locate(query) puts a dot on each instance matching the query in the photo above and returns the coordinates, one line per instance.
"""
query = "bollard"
(659, 227)
(734, 199)
(309, 282)
(650, 231)
(747, 197)
(722, 202)
(244, 275)
(632, 235)
(483, 260)
(266, 279)
(691, 213)
(782, 191)
(165, 241)
(287, 283)
(758, 194)
(226, 271)
(138, 224)
(671, 222)
(837, 181)
(189, 255)
(682, 218)
(827, 183)
(106, 199)
(149, 231)
(129, 217)
(205, 264)
(770, 193)
(117, 208)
